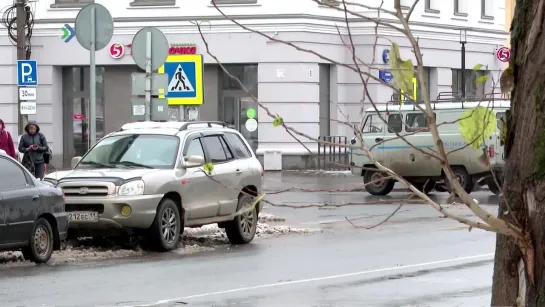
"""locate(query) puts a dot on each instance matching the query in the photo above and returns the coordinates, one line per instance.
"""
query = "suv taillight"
(262, 171)
(491, 151)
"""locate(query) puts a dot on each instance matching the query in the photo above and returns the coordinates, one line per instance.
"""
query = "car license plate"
(83, 216)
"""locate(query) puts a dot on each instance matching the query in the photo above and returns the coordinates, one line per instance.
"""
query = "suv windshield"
(133, 150)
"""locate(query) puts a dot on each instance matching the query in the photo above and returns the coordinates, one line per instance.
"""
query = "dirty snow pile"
(194, 240)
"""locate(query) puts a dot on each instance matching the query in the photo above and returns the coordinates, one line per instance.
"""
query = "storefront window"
(472, 88)
(76, 111)
(237, 108)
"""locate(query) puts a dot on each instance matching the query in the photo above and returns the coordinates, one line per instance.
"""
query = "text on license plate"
(83, 216)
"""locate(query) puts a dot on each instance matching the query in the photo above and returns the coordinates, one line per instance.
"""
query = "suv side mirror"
(193, 161)
(75, 161)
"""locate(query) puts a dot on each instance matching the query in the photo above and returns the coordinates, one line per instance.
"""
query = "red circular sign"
(503, 54)
(117, 51)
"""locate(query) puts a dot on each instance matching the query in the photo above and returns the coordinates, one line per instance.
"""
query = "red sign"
(172, 50)
(175, 50)
(78, 116)
(503, 54)
(117, 51)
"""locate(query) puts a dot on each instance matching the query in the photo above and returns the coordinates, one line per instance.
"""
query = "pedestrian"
(33, 145)
(6, 142)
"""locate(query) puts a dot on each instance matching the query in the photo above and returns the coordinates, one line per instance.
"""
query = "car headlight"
(132, 188)
(50, 181)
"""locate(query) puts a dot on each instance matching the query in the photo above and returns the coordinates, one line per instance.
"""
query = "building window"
(330, 2)
(70, 3)
(432, 6)
(473, 90)
(220, 2)
(460, 8)
(152, 2)
(487, 9)
(406, 4)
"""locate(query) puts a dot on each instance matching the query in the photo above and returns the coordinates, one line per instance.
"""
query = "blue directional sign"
(385, 75)
(185, 75)
(27, 73)
(386, 56)
(67, 33)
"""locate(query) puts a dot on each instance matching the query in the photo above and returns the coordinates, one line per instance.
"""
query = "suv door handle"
(35, 197)
(377, 140)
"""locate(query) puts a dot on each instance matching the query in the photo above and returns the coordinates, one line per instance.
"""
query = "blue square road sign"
(182, 79)
(27, 73)
(185, 79)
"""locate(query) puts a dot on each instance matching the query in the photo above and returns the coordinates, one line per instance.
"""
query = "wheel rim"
(376, 180)
(41, 241)
(247, 221)
(169, 225)
(460, 178)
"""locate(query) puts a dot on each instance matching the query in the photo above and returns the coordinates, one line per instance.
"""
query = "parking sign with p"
(27, 73)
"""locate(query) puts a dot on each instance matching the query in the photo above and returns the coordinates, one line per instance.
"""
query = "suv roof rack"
(186, 125)
(167, 125)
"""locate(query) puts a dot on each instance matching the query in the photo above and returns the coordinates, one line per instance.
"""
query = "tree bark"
(524, 176)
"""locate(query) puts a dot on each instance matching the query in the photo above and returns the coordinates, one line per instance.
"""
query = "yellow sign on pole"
(402, 96)
(185, 75)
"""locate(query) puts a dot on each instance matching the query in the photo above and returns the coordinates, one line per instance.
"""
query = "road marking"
(301, 281)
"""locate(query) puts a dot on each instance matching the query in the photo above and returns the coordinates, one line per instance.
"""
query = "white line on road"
(301, 281)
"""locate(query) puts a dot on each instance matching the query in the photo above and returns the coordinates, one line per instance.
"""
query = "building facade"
(310, 93)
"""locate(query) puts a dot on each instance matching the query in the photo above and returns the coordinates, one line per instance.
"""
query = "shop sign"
(117, 50)
(180, 49)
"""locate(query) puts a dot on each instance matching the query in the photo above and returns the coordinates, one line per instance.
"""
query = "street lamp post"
(463, 41)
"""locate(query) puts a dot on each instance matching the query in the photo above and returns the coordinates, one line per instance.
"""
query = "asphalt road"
(416, 258)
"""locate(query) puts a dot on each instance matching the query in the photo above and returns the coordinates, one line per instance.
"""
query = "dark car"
(32, 216)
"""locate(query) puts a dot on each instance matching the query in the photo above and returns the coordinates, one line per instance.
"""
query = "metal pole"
(148, 76)
(21, 55)
(93, 82)
(463, 70)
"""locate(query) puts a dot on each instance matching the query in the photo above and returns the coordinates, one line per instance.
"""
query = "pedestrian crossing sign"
(185, 75)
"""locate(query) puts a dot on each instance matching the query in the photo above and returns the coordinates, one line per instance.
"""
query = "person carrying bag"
(33, 145)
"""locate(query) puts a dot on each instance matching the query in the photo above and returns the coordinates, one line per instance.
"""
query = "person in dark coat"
(6, 142)
(33, 145)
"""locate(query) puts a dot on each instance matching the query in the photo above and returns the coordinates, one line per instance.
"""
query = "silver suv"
(154, 179)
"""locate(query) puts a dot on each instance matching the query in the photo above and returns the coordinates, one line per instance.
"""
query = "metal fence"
(333, 153)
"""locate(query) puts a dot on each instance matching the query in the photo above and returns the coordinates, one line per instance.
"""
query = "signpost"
(27, 80)
(149, 51)
(94, 30)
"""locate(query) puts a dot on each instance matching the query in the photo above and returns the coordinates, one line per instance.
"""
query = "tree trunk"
(524, 181)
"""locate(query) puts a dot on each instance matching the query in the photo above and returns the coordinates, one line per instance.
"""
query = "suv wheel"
(164, 233)
(463, 178)
(241, 230)
(492, 186)
(40, 247)
(375, 186)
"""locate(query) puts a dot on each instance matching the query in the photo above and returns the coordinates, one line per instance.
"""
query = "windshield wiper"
(133, 164)
(97, 164)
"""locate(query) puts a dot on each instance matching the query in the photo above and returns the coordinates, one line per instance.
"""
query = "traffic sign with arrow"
(67, 33)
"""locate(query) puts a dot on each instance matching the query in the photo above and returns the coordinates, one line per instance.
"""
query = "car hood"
(124, 173)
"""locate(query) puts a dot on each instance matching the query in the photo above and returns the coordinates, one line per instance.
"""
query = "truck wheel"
(40, 247)
(241, 230)
(164, 233)
(426, 186)
(463, 178)
(492, 186)
(377, 187)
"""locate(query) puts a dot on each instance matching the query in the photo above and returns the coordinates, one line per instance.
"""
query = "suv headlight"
(131, 188)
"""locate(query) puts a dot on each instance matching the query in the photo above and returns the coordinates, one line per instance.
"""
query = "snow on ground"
(195, 240)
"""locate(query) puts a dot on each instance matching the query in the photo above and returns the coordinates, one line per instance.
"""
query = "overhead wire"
(9, 21)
